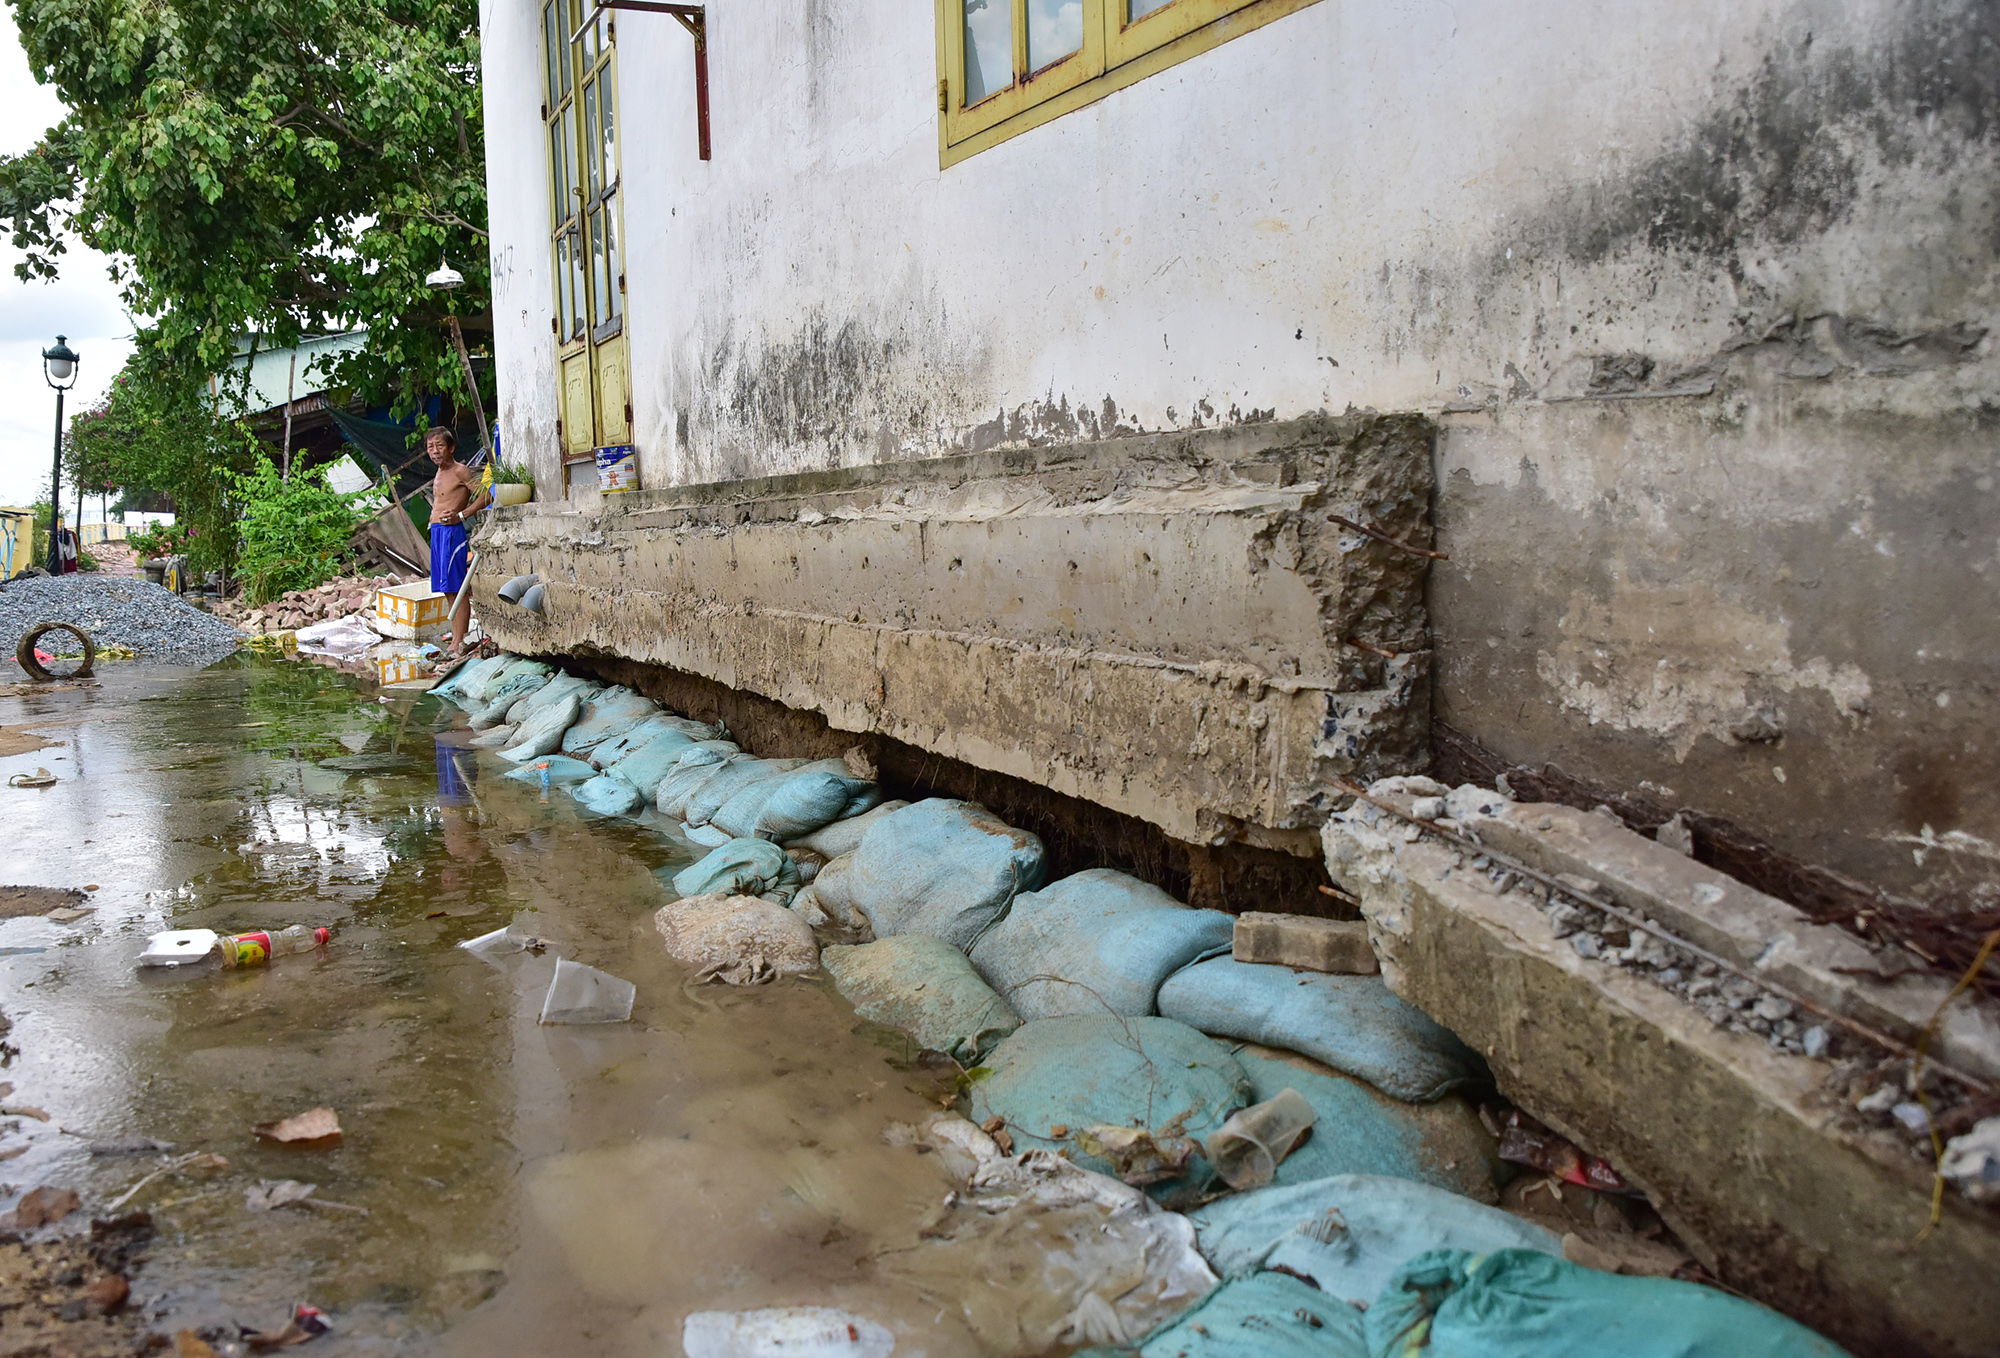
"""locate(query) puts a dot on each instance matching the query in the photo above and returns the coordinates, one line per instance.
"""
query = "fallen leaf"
(6, 1088)
(91, 887)
(42, 1205)
(188, 1344)
(109, 1292)
(204, 1160)
(318, 1124)
(437, 914)
(270, 1193)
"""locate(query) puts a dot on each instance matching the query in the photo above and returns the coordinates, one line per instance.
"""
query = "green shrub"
(293, 535)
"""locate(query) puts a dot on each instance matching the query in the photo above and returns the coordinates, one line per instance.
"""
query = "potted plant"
(512, 485)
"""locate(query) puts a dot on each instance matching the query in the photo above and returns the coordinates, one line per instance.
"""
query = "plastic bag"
(926, 988)
(844, 836)
(580, 994)
(1082, 1072)
(540, 733)
(1351, 1232)
(561, 769)
(608, 796)
(1098, 942)
(742, 867)
(941, 867)
(736, 939)
(342, 638)
(1353, 1023)
(1247, 1149)
(610, 713)
(1521, 1304)
(784, 1332)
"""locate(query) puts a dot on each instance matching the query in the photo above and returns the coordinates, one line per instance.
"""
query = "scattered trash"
(1522, 1302)
(1094, 943)
(1349, 1233)
(927, 988)
(1523, 1141)
(39, 778)
(1247, 1149)
(345, 638)
(39, 1207)
(1352, 1023)
(259, 947)
(178, 947)
(739, 940)
(784, 1332)
(1971, 1162)
(581, 994)
(503, 943)
(313, 1128)
(1139, 1157)
(307, 1322)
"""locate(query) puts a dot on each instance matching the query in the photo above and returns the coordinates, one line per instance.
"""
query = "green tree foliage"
(158, 431)
(269, 167)
(294, 533)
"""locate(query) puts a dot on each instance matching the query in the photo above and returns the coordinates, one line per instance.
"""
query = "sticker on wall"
(617, 468)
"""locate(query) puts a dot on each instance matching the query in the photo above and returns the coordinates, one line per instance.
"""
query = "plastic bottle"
(257, 948)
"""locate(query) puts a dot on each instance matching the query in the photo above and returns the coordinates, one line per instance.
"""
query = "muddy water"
(527, 1188)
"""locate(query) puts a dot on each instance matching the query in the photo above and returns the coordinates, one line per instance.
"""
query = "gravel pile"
(116, 611)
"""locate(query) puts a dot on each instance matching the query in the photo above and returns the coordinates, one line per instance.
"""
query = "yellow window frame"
(1116, 52)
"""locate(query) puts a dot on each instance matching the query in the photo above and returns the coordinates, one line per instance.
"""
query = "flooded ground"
(528, 1189)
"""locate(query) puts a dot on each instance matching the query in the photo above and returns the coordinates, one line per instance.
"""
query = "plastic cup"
(1246, 1150)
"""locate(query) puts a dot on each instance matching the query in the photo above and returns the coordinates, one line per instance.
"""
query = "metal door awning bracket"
(694, 18)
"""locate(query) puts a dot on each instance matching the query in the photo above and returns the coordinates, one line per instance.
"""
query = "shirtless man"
(455, 496)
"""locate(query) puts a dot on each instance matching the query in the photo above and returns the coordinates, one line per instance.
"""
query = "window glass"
(1055, 29)
(1141, 8)
(575, 244)
(590, 143)
(552, 51)
(599, 279)
(558, 172)
(565, 304)
(989, 47)
(567, 208)
(605, 130)
(614, 298)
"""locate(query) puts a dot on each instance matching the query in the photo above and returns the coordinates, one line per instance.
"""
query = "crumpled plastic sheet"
(343, 638)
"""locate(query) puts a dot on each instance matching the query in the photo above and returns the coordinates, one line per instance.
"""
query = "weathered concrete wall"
(1702, 294)
(1174, 627)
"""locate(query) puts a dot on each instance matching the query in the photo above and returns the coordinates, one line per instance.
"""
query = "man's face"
(438, 448)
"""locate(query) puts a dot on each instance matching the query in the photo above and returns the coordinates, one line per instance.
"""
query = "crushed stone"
(152, 621)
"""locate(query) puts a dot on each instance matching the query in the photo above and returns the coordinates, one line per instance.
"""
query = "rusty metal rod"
(1381, 536)
(1513, 864)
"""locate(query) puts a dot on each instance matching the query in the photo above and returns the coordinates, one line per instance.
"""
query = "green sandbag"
(635, 738)
(1352, 1023)
(742, 867)
(559, 687)
(697, 764)
(467, 684)
(1093, 943)
(814, 796)
(1266, 1315)
(925, 987)
(562, 769)
(1349, 1233)
(608, 796)
(646, 768)
(844, 836)
(610, 713)
(509, 693)
(1082, 1072)
(702, 804)
(542, 732)
(940, 867)
(1520, 1304)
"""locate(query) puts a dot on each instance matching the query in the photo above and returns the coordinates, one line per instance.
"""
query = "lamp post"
(59, 371)
(447, 279)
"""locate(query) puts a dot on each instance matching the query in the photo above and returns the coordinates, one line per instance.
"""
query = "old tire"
(25, 652)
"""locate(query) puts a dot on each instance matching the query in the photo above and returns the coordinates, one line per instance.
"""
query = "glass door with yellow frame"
(580, 117)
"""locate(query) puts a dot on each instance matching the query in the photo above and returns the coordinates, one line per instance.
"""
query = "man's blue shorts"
(448, 557)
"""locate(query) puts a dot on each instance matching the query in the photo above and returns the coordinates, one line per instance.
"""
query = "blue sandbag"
(509, 693)
(542, 732)
(939, 867)
(687, 775)
(742, 867)
(1521, 1304)
(1351, 1232)
(646, 767)
(1081, 1072)
(467, 684)
(1266, 1315)
(608, 796)
(562, 769)
(610, 713)
(1352, 1023)
(559, 688)
(701, 805)
(811, 796)
(1098, 942)
(1359, 1130)
(925, 987)
(634, 739)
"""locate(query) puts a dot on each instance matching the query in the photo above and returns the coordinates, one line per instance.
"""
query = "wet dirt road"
(528, 1188)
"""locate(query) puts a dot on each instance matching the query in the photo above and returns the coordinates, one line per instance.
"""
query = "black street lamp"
(59, 371)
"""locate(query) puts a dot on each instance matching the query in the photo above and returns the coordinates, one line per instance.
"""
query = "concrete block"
(1339, 946)
(1743, 1149)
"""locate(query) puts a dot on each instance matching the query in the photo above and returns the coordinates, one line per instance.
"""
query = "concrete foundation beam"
(1747, 1152)
(1184, 628)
